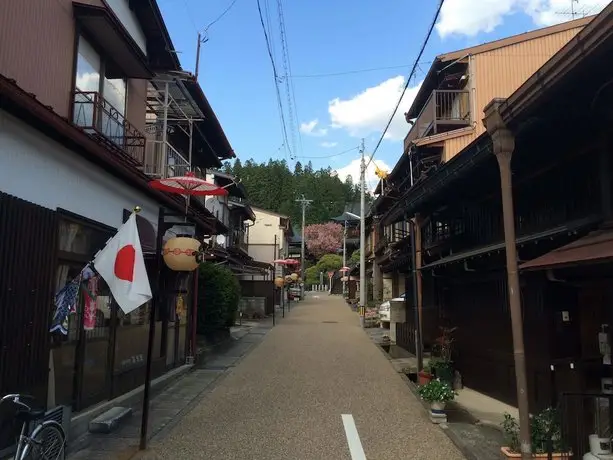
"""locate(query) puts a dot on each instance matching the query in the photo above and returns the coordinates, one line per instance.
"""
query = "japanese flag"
(122, 266)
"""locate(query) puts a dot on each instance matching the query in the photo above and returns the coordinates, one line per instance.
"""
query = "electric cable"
(409, 79)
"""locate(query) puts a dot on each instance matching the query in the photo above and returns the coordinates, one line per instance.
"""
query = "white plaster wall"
(38, 169)
(218, 205)
(128, 20)
(264, 229)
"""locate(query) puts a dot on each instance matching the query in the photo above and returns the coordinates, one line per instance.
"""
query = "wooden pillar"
(377, 275)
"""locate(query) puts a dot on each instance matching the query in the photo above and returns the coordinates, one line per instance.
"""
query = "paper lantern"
(180, 254)
(288, 279)
(279, 282)
(294, 277)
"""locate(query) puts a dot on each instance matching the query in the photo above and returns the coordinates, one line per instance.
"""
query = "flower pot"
(386, 347)
(423, 377)
(506, 453)
(437, 407)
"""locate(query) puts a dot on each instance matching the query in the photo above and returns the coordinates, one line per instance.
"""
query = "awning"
(595, 247)
(147, 234)
(110, 35)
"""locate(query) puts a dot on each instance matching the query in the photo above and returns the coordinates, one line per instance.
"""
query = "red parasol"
(291, 262)
(188, 185)
(344, 269)
(280, 261)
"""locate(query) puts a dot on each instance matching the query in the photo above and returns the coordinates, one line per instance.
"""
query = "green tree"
(329, 263)
(219, 293)
(312, 275)
(355, 257)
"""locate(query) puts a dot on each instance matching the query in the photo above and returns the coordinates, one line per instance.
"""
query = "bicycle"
(46, 441)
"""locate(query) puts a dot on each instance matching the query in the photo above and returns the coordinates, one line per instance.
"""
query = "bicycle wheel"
(48, 442)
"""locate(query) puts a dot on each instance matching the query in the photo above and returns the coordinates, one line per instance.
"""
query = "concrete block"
(109, 420)
(438, 418)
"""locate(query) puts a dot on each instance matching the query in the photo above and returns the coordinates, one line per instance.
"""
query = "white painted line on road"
(353, 438)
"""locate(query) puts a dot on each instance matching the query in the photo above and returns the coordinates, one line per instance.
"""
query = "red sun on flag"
(124, 263)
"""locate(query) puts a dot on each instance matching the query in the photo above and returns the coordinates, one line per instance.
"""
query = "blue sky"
(326, 37)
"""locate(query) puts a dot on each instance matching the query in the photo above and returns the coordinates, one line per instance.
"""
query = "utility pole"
(304, 203)
(200, 42)
(345, 274)
(362, 236)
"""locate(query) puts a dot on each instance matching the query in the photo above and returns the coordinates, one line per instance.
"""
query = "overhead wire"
(291, 100)
(330, 156)
(409, 79)
(216, 20)
(276, 78)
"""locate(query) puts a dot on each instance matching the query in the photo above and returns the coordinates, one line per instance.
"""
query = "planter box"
(506, 453)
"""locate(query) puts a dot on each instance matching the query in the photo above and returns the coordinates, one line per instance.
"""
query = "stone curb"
(455, 439)
(163, 433)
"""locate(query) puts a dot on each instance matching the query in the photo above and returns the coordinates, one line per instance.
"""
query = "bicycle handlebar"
(17, 399)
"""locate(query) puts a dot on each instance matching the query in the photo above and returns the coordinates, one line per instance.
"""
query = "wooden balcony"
(238, 239)
(101, 120)
(445, 110)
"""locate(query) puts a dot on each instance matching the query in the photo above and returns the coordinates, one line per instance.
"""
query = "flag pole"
(154, 303)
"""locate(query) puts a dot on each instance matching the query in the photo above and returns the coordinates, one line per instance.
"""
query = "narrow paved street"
(287, 398)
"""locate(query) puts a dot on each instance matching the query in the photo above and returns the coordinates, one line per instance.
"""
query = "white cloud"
(328, 145)
(311, 129)
(369, 111)
(469, 18)
(353, 170)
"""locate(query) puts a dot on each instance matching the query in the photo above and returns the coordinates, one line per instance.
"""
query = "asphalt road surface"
(315, 388)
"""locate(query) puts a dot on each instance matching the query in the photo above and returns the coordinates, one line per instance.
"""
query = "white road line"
(353, 439)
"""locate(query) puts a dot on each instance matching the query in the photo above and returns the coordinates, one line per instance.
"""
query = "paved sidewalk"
(315, 388)
(171, 404)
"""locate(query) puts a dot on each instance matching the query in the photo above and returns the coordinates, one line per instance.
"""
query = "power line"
(331, 156)
(220, 16)
(291, 100)
(276, 77)
(411, 75)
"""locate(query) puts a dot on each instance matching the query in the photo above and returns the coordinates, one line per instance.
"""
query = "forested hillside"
(275, 187)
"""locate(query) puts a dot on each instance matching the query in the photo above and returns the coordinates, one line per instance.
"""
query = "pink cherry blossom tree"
(323, 238)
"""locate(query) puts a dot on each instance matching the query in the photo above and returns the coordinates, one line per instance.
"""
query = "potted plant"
(425, 375)
(442, 366)
(437, 393)
(545, 434)
(385, 343)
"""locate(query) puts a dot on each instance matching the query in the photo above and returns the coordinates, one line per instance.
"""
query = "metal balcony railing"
(100, 119)
(443, 111)
(163, 160)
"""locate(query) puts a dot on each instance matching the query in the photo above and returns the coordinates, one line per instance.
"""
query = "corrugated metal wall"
(500, 72)
(28, 257)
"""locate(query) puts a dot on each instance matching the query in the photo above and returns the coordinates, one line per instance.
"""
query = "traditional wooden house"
(556, 125)
(445, 117)
(82, 134)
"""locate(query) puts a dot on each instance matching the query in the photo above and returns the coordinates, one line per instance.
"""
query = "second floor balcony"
(238, 239)
(101, 120)
(163, 160)
(445, 110)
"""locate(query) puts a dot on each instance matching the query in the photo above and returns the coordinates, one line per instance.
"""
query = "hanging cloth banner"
(90, 306)
(66, 301)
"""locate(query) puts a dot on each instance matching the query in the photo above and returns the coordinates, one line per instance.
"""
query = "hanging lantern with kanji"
(180, 254)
